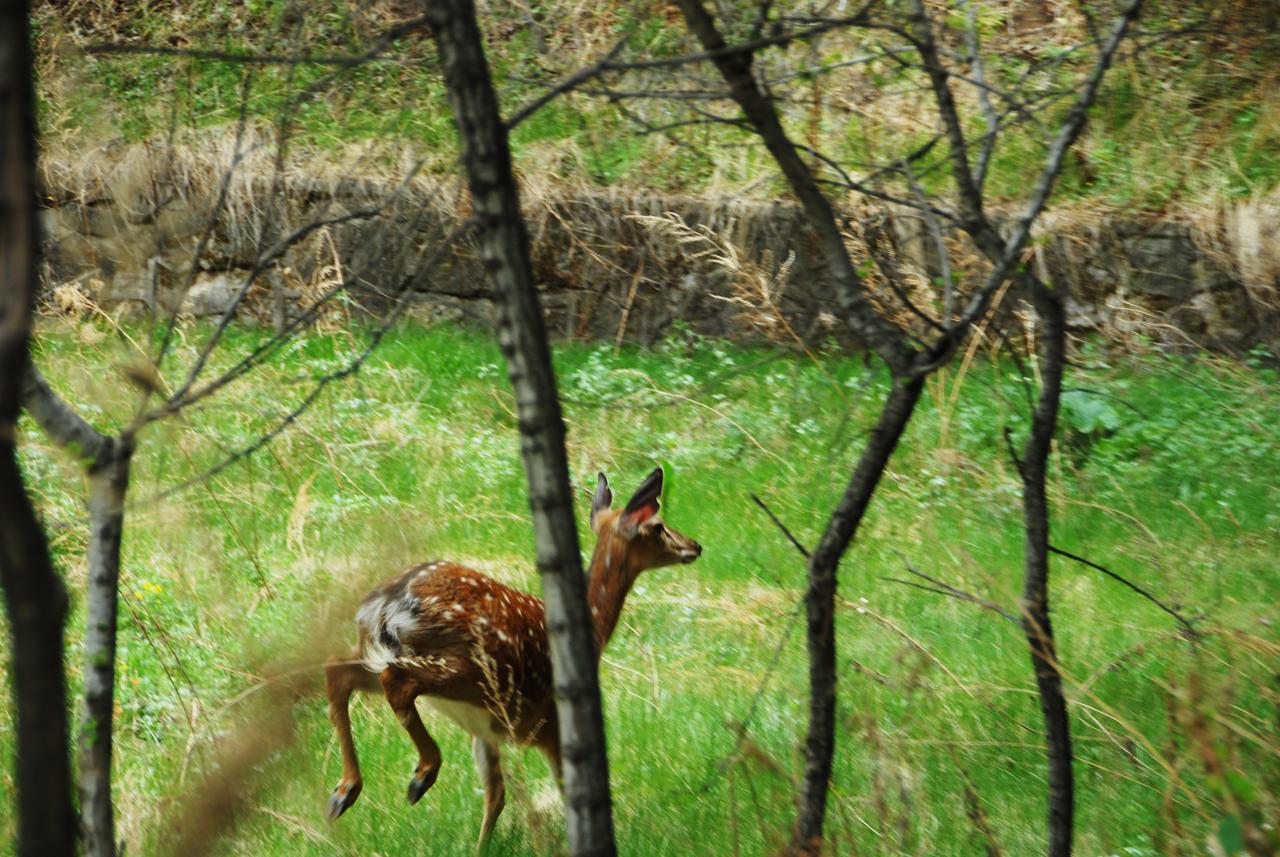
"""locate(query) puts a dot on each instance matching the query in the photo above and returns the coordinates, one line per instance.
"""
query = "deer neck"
(609, 579)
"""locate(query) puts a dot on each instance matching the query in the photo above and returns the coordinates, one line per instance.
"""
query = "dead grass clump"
(1240, 236)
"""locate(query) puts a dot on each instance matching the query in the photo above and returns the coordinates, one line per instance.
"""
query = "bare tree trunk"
(109, 481)
(820, 607)
(34, 595)
(107, 460)
(504, 248)
(893, 346)
(859, 312)
(1035, 591)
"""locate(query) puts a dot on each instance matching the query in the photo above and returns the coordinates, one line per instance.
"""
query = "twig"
(943, 588)
(407, 289)
(804, 552)
(570, 83)
(1187, 626)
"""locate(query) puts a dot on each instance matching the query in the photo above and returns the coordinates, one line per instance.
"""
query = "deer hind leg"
(489, 767)
(343, 676)
(401, 689)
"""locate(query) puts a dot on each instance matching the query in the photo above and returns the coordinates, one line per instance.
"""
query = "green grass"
(1168, 475)
(1191, 117)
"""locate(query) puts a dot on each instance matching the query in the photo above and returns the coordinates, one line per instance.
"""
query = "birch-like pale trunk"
(108, 482)
(504, 249)
(107, 461)
(34, 597)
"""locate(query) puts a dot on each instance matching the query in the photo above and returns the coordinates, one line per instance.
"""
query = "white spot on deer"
(457, 606)
(502, 635)
(483, 620)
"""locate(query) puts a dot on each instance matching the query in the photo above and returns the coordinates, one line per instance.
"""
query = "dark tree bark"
(859, 313)
(820, 609)
(35, 598)
(1049, 305)
(894, 347)
(909, 366)
(504, 248)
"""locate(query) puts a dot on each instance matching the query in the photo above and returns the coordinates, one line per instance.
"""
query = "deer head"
(628, 542)
(637, 532)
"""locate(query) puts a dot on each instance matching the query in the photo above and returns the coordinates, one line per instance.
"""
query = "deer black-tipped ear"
(643, 505)
(602, 500)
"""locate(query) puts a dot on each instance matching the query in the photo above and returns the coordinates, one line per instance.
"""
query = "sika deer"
(477, 650)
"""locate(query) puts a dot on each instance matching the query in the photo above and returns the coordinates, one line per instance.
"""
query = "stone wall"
(611, 264)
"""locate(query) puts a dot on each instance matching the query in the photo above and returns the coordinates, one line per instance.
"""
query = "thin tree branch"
(1187, 627)
(943, 588)
(804, 552)
(984, 97)
(60, 422)
(736, 68)
(569, 84)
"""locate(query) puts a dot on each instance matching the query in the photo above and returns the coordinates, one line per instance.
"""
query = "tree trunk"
(820, 604)
(856, 309)
(504, 249)
(109, 480)
(1035, 592)
(34, 595)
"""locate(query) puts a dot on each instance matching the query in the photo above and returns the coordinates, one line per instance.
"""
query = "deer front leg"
(343, 676)
(489, 767)
(401, 690)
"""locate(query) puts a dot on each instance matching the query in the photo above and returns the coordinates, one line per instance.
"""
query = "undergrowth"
(1166, 474)
(1193, 116)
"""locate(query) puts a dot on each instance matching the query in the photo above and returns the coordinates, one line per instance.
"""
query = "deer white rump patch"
(385, 621)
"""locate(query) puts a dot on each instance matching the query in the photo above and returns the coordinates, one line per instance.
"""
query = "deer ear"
(602, 500)
(643, 505)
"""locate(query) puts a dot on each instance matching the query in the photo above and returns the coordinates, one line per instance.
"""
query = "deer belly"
(472, 718)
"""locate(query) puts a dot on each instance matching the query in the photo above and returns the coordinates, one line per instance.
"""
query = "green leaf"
(1231, 835)
(1087, 413)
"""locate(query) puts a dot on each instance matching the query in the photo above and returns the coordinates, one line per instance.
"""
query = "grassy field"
(1168, 475)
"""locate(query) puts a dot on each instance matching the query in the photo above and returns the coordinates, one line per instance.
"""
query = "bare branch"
(406, 290)
(1187, 627)
(736, 68)
(984, 97)
(804, 552)
(569, 84)
(943, 588)
(60, 422)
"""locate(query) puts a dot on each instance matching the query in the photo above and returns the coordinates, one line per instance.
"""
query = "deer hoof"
(343, 796)
(419, 784)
